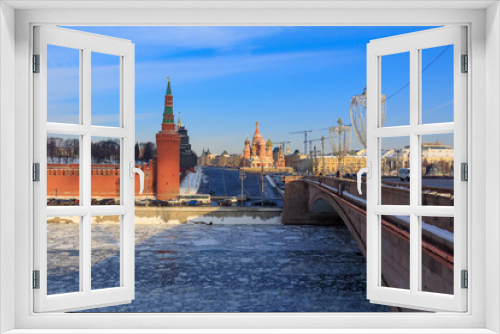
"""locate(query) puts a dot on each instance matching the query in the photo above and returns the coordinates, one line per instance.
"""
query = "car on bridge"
(242, 199)
(173, 201)
(158, 202)
(193, 203)
(107, 201)
(404, 174)
(143, 202)
(265, 202)
(225, 202)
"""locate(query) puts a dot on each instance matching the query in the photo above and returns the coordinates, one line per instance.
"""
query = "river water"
(210, 264)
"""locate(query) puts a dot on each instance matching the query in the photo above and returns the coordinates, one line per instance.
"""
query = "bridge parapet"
(392, 194)
(437, 253)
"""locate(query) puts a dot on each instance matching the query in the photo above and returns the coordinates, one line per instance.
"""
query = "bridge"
(319, 200)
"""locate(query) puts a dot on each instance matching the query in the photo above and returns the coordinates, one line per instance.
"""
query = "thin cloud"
(189, 37)
(196, 69)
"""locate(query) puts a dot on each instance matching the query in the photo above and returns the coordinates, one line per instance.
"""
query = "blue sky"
(224, 79)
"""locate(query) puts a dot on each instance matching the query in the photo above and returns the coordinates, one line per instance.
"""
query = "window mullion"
(415, 261)
(85, 176)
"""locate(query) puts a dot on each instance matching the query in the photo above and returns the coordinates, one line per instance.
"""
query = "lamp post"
(340, 140)
(242, 178)
(262, 178)
(358, 115)
(323, 169)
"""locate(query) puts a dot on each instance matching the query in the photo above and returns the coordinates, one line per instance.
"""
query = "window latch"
(368, 171)
(132, 170)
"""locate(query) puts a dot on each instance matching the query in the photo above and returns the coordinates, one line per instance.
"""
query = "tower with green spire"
(168, 112)
(168, 143)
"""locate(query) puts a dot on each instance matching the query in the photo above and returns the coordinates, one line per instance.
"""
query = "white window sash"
(415, 298)
(86, 297)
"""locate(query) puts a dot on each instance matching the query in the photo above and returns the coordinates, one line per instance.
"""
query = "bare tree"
(51, 147)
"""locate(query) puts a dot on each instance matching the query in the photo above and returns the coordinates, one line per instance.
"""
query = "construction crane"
(283, 143)
(305, 138)
(322, 139)
(310, 141)
(312, 153)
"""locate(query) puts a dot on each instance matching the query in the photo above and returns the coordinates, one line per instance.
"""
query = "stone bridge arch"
(301, 204)
(437, 265)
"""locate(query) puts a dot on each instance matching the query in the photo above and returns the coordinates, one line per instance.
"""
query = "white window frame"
(16, 228)
(86, 44)
(414, 43)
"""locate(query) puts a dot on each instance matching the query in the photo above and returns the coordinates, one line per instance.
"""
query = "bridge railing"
(392, 193)
(437, 246)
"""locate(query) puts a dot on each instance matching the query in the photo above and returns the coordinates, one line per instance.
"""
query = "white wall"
(7, 186)
(492, 163)
(483, 105)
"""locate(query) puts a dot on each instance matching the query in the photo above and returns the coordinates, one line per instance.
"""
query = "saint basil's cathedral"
(260, 153)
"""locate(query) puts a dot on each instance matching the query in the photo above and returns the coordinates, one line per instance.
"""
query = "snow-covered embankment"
(191, 182)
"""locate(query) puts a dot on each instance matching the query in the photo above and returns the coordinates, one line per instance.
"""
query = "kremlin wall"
(161, 177)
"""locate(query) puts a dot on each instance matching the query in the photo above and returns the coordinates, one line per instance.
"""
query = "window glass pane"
(63, 85)
(63, 255)
(395, 171)
(437, 84)
(437, 254)
(437, 169)
(105, 90)
(105, 252)
(63, 166)
(395, 252)
(105, 179)
(395, 89)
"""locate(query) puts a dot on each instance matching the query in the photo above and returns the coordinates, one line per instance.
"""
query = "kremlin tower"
(168, 143)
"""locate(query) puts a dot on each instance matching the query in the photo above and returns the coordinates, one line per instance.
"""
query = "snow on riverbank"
(191, 182)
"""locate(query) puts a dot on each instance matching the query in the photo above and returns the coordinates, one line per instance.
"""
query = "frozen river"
(196, 267)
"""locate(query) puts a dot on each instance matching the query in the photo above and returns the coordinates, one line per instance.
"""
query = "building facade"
(188, 159)
(206, 158)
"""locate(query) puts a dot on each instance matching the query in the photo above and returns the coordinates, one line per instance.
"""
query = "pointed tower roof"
(168, 111)
(169, 89)
(269, 142)
(179, 124)
(257, 132)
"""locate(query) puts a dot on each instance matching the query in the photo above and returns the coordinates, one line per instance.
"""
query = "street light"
(358, 115)
(262, 178)
(340, 140)
(242, 178)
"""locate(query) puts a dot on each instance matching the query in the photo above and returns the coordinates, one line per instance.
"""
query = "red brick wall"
(63, 181)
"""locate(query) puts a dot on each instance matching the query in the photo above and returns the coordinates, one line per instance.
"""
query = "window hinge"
(464, 171)
(465, 279)
(36, 172)
(36, 279)
(36, 63)
(465, 64)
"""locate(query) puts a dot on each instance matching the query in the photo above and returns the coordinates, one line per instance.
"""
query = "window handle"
(133, 170)
(366, 170)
